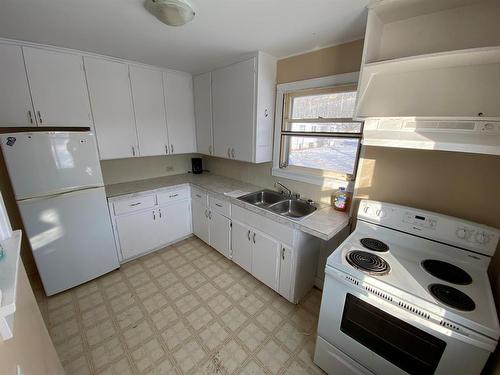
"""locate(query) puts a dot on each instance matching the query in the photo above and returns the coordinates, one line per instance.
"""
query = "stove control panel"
(434, 226)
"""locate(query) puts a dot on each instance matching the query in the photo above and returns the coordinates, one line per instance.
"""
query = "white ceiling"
(221, 30)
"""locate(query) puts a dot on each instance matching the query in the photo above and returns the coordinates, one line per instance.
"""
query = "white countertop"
(324, 223)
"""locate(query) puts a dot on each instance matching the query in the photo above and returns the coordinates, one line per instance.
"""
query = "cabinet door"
(111, 99)
(180, 112)
(174, 221)
(233, 99)
(200, 221)
(137, 233)
(220, 233)
(285, 279)
(203, 112)
(241, 246)
(58, 88)
(149, 109)
(15, 100)
(265, 259)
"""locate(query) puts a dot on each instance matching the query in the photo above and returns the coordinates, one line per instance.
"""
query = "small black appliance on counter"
(197, 165)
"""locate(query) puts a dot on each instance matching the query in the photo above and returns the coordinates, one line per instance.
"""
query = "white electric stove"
(408, 292)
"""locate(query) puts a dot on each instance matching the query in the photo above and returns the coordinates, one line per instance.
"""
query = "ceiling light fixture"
(171, 12)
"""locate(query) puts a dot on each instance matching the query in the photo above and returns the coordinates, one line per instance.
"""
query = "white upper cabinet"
(233, 90)
(149, 108)
(111, 99)
(15, 101)
(179, 101)
(203, 112)
(58, 89)
(243, 108)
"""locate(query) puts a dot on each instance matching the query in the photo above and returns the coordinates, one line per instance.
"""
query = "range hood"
(481, 137)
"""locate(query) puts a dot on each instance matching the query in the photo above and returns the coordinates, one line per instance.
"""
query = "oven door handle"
(422, 323)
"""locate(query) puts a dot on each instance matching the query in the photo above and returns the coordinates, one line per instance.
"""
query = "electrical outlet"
(19, 370)
(169, 168)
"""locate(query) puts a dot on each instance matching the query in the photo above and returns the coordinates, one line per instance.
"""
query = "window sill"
(328, 182)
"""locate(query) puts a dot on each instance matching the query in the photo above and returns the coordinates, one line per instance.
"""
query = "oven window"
(402, 344)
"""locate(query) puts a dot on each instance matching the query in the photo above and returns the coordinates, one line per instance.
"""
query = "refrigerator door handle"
(49, 196)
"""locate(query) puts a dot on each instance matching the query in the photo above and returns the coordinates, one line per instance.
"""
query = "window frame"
(320, 177)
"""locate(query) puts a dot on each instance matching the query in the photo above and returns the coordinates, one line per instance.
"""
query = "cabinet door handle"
(30, 116)
(173, 196)
(159, 213)
(229, 152)
(133, 151)
(206, 213)
(154, 216)
(210, 149)
(210, 215)
(39, 117)
(172, 148)
(283, 253)
(232, 152)
(218, 205)
(198, 195)
(166, 149)
(266, 113)
(248, 235)
(254, 237)
(134, 204)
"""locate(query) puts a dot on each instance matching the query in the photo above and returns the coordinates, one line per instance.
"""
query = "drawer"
(199, 196)
(141, 202)
(221, 206)
(172, 195)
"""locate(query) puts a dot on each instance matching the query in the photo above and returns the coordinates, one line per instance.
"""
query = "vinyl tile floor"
(184, 309)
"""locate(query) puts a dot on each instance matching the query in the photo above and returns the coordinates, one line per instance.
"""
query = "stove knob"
(461, 233)
(481, 238)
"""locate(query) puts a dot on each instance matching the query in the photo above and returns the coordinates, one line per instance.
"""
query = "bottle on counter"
(341, 199)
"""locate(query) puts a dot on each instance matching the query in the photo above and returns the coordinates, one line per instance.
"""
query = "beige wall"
(343, 58)
(121, 170)
(31, 347)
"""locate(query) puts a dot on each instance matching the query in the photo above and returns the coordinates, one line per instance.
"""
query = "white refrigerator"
(58, 185)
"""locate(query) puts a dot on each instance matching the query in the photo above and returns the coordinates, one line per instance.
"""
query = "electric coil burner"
(374, 245)
(365, 261)
(446, 272)
(452, 297)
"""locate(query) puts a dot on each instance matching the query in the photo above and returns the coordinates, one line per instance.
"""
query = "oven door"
(388, 340)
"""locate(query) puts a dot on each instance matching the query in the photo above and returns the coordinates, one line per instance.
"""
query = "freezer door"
(71, 237)
(47, 163)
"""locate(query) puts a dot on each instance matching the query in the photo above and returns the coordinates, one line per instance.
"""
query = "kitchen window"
(316, 138)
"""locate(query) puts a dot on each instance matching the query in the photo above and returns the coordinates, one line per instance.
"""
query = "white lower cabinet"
(220, 233)
(200, 221)
(173, 222)
(140, 225)
(265, 259)
(137, 233)
(242, 246)
(285, 278)
(209, 225)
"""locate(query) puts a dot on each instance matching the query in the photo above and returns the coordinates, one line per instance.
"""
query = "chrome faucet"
(289, 194)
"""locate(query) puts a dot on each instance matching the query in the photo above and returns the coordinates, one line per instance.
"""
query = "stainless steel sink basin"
(262, 198)
(293, 208)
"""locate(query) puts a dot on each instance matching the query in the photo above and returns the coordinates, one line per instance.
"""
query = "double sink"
(279, 203)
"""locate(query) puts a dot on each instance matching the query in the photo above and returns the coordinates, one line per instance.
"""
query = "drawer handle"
(173, 196)
(135, 204)
(198, 195)
(218, 205)
(248, 235)
(254, 237)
